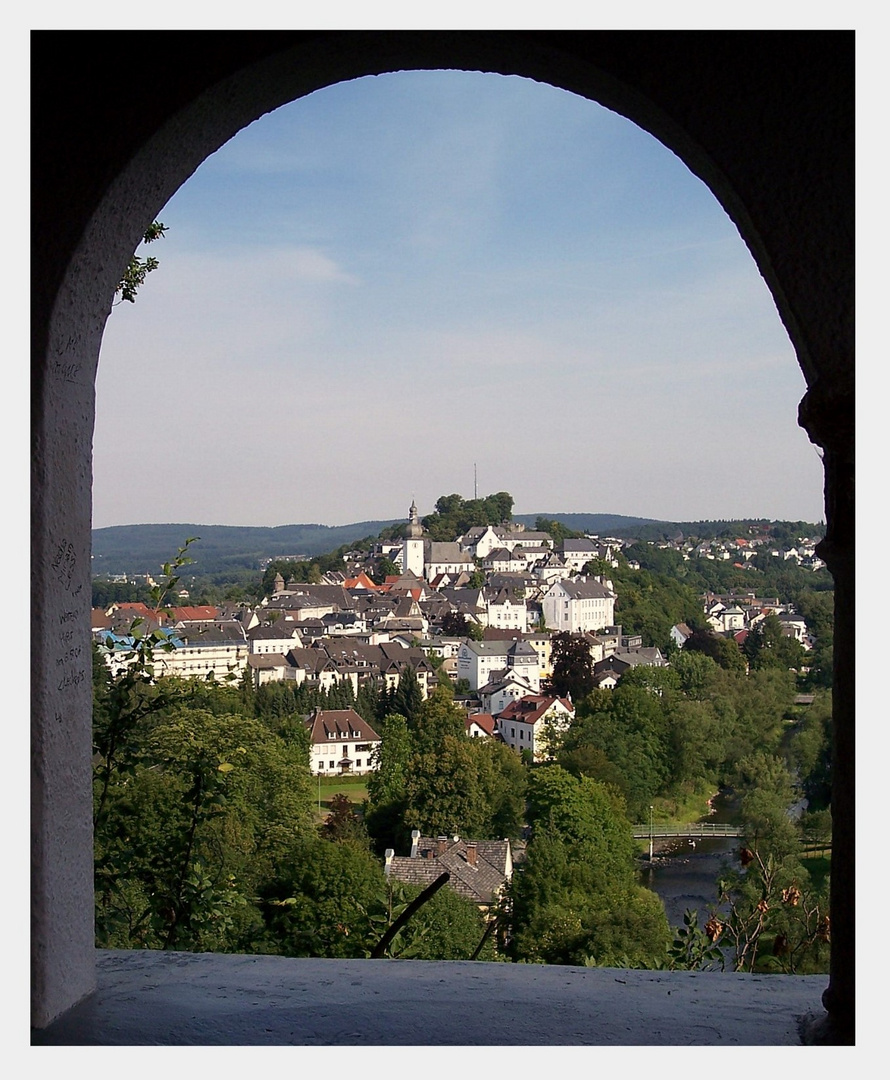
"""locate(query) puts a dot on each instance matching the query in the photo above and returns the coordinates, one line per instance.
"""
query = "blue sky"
(379, 288)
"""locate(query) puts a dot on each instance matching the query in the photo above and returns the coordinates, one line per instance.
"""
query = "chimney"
(471, 854)
(388, 857)
(441, 844)
(415, 842)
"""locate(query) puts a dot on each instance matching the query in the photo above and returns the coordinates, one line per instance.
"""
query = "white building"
(340, 742)
(578, 607)
(480, 662)
(525, 724)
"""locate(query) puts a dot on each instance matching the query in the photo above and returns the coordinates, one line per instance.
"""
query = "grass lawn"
(355, 788)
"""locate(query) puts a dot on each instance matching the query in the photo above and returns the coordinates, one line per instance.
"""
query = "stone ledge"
(204, 999)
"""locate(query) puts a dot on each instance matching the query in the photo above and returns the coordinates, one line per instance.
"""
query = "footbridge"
(696, 830)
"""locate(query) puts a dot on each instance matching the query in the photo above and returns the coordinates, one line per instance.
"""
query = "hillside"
(141, 549)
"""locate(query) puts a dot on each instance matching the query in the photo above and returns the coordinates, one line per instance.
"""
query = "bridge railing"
(694, 830)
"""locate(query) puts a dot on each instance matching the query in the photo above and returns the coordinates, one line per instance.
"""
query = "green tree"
(572, 667)
(208, 809)
(328, 900)
(722, 650)
(445, 790)
(811, 751)
(435, 718)
(767, 646)
(767, 791)
(408, 697)
(448, 927)
(344, 825)
(574, 900)
(387, 785)
(454, 624)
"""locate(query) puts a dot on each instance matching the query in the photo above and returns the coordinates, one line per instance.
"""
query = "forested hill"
(599, 524)
(135, 549)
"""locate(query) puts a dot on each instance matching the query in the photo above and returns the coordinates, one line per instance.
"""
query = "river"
(685, 876)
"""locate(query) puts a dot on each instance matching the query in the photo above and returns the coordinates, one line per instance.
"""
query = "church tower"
(412, 546)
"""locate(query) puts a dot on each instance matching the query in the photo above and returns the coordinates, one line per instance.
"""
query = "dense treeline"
(206, 836)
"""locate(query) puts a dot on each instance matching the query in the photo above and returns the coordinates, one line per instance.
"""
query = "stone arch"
(763, 118)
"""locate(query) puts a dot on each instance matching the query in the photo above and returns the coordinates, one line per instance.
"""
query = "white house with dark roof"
(216, 650)
(479, 662)
(577, 553)
(578, 606)
(507, 611)
(340, 741)
(446, 557)
(504, 688)
(480, 540)
(609, 670)
(277, 637)
(518, 537)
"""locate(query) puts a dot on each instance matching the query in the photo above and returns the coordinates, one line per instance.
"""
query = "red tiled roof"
(531, 708)
(484, 720)
(201, 613)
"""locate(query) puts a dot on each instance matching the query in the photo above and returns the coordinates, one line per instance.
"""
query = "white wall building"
(340, 742)
(578, 607)
(523, 724)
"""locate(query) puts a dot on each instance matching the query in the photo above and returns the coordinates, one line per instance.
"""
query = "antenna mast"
(475, 485)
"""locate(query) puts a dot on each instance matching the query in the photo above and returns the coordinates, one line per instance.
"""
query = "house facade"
(578, 606)
(525, 724)
(340, 741)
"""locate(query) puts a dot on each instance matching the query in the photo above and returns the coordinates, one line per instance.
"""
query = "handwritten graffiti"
(65, 563)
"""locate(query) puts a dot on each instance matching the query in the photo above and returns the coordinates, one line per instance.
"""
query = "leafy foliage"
(454, 515)
(572, 667)
(138, 269)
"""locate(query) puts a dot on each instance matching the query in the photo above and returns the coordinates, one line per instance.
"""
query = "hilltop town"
(481, 611)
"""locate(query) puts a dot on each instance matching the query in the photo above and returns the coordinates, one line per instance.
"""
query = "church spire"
(415, 529)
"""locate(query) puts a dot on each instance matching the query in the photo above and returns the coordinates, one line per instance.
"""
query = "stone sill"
(148, 998)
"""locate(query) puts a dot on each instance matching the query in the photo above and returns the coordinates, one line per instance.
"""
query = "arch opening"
(75, 304)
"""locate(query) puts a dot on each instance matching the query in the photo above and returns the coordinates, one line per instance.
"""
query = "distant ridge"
(141, 549)
(591, 523)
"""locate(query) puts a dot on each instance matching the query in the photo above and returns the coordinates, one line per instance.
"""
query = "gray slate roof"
(480, 883)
